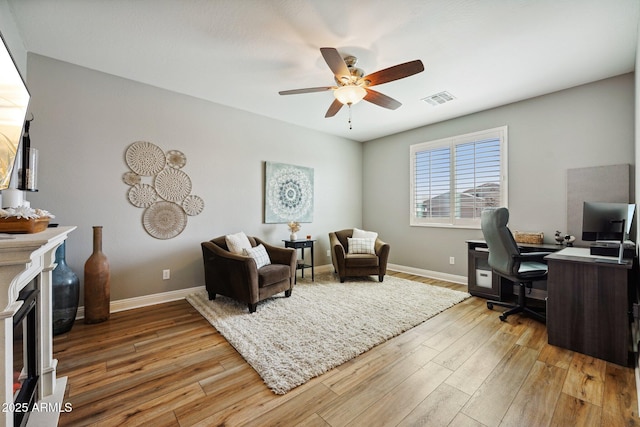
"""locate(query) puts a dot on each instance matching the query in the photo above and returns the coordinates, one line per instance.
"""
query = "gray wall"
(85, 120)
(590, 125)
(11, 36)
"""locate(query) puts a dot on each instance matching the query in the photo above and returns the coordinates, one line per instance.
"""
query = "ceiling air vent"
(439, 98)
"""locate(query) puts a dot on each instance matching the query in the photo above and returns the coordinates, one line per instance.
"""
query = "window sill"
(439, 225)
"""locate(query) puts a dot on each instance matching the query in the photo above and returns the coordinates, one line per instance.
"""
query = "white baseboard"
(410, 270)
(147, 300)
(144, 301)
(429, 273)
(325, 268)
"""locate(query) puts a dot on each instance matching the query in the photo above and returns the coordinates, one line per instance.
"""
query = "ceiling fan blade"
(381, 100)
(333, 108)
(306, 90)
(396, 72)
(335, 62)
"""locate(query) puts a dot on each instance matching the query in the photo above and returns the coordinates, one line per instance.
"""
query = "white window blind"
(454, 179)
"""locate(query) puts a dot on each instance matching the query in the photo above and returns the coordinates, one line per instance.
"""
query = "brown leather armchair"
(346, 264)
(237, 276)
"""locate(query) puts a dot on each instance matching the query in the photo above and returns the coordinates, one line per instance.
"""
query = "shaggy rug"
(323, 324)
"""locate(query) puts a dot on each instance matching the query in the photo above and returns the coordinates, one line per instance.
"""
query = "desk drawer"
(484, 278)
(298, 244)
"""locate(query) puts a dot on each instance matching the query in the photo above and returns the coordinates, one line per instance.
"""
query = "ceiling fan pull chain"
(349, 104)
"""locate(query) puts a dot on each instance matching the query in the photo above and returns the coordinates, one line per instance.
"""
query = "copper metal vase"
(96, 282)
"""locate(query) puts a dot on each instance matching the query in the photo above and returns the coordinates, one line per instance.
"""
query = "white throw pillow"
(237, 242)
(259, 254)
(361, 234)
(361, 246)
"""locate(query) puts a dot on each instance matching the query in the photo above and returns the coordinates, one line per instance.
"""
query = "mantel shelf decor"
(24, 220)
(166, 198)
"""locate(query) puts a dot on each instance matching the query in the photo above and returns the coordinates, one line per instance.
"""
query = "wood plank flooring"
(165, 365)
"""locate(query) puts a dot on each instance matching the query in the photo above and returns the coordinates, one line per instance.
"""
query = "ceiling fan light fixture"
(350, 94)
(352, 85)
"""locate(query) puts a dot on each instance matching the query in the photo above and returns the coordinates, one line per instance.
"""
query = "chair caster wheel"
(503, 318)
(490, 305)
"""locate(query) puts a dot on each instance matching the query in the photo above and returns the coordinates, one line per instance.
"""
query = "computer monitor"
(603, 221)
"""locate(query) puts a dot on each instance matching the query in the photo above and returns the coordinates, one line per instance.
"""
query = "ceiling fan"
(353, 85)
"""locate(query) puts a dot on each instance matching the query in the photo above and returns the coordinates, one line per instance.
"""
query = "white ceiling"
(240, 53)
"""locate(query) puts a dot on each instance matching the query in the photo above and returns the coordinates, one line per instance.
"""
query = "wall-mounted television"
(14, 101)
(603, 221)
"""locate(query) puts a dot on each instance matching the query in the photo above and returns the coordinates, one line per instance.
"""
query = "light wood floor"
(166, 366)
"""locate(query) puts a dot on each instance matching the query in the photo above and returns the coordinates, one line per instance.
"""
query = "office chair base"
(524, 310)
(490, 304)
(513, 309)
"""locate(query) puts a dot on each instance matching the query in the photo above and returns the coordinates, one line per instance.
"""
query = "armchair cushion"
(361, 246)
(361, 260)
(273, 273)
(237, 242)
(259, 255)
(362, 234)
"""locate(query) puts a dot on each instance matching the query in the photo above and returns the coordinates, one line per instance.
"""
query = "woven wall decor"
(173, 185)
(142, 195)
(145, 158)
(193, 205)
(164, 220)
(166, 195)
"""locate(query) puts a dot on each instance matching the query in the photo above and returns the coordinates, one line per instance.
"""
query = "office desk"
(589, 304)
(483, 283)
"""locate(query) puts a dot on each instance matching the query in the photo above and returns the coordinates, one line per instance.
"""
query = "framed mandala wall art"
(288, 193)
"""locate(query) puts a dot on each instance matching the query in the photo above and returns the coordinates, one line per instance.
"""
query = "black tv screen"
(603, 221)
(14, 101)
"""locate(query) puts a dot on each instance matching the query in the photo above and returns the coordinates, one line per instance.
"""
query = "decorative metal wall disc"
(176, 159)
(193, 205)
(142, 195)
(164, 220)
(131, 178)
(173, 185)
(145, 158)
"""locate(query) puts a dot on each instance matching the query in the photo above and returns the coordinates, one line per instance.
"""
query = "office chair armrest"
(531, 256)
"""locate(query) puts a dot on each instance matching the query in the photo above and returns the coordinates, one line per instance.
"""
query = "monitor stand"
(620, 259)
(611, 248)
(612, 261)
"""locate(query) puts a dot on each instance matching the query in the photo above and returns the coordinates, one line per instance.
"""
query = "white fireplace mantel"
(24, 257)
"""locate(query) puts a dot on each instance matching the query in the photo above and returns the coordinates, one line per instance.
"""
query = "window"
(454, 179)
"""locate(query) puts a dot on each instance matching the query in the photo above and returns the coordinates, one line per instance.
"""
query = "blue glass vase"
(65, 293)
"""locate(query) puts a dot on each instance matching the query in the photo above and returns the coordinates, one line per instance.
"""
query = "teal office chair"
(506, 261)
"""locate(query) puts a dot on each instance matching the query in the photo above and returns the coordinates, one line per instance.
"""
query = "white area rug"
(323, 324)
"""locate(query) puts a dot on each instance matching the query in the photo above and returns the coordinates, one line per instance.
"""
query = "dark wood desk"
(483, 283)
(589, 304)
(302, 245)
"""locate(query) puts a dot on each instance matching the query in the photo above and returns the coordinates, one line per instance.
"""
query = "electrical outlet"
(452, 260)
(166, 274)
(328, 252)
